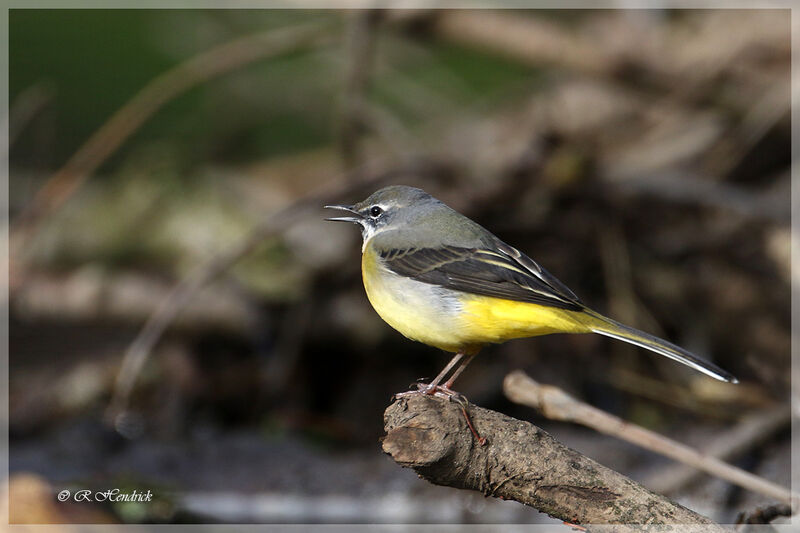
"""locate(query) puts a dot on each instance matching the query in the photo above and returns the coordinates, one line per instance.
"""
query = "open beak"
(349, 208)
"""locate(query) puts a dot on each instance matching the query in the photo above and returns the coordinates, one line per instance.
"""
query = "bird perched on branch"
(439, 278)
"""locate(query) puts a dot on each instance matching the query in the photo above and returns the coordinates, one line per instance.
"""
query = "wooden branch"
(521, 462)
(556, 404)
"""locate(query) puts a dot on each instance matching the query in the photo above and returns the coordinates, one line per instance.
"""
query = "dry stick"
(359, 115)
(529, 39)
(687, 187)
(23, 110)
(763, 515)
(556, 404)
(360, 50)
(523, 463)
(751, 431)
(759, 119)
(161, 90)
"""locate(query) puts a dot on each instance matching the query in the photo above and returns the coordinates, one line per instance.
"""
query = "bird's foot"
(463, 403)
(443, 391)
(429, 389)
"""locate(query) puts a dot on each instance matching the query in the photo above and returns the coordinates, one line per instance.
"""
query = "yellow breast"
(420, 311)
(455, 321)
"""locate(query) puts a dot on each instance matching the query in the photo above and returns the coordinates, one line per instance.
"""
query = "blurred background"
(183, 321)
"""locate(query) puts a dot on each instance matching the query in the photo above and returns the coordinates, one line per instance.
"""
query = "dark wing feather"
(502, 272)
(537, 270)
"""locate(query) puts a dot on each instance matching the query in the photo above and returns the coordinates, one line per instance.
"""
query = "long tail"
(615, 330)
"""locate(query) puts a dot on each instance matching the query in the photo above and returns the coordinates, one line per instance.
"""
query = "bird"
(440, 278)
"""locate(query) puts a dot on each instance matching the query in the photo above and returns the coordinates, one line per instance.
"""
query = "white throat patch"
(368, 232)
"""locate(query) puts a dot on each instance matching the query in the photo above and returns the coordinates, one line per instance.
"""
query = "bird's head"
(392, 207)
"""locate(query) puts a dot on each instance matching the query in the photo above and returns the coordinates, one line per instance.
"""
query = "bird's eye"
(375, 211)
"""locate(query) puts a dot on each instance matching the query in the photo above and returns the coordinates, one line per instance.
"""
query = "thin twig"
(532, 40)
(751, 432)
(763, 515)
(24, 108)
(556, 404)
(360, 51)
(683, 186)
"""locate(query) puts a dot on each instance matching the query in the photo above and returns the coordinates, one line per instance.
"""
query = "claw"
(458, 398)
(443, 391)
(481, 440)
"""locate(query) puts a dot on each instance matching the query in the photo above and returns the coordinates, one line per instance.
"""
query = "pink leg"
(449, 384)
(433, 386)
(456, 358)
(442, 390)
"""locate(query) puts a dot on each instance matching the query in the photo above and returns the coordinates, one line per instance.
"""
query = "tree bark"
(522, 462)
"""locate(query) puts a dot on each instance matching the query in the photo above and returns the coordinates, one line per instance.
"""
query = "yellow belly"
(455, 321)
(498, 320)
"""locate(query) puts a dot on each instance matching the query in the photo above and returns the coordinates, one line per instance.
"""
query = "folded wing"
(501, 272)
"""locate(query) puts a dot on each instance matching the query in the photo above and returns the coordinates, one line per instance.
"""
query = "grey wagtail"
(439, 278)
